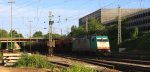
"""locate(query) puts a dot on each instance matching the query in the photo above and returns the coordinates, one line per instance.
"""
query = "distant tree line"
(39, 34)
(94, 28)
(15, 34)
(5, 34)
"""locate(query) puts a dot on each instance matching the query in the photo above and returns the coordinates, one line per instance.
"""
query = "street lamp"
(11, 2)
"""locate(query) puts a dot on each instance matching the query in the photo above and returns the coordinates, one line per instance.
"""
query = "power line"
(73, 17)
(38, 13)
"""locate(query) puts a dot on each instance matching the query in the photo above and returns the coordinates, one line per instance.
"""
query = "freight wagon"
(63, 46)
(96, 44)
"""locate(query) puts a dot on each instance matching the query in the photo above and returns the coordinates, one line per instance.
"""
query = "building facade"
(139, 19)
(131, 18)
(106, 15)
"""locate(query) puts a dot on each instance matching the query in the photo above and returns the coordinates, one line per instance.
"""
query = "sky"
(35, 12)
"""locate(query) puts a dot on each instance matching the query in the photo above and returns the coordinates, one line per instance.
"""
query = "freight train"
(95, 44)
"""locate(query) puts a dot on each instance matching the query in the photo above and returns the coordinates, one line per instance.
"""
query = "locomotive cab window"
(99, 40)
(102, 40)
(105, 40)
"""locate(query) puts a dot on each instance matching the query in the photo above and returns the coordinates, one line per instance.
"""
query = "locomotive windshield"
(102, 40)
(105, 40)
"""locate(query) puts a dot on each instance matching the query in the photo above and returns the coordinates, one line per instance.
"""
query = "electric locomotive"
(96, 44)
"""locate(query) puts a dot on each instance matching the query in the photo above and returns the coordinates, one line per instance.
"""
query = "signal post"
(51, 42)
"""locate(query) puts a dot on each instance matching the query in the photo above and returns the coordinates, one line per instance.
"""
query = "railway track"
(60, 64)
(127, 60)
(122, 65)
(65, 65)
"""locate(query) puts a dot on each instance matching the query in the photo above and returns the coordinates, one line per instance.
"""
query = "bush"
(78, 68)
(37, 61)
(141, 43)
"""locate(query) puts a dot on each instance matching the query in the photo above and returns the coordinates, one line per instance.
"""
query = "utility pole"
(50, 43)
(119, 26)
(11, 2)
(86, 25)
(30, 35)
(61, 32)
(67, 26)
(19, 34)
(59, 21)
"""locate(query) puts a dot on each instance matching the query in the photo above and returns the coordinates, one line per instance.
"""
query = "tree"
(15, 34)
(56, 36)
(20, 35)
(94, 26)
(73, 28)
(77, 31)
(3, 33)
(134, 33)
(37, 34)
(112, 32)
(46, 36)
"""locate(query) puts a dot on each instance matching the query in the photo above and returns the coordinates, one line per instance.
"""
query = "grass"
(78, 68)
(35, 61)
(39, 61)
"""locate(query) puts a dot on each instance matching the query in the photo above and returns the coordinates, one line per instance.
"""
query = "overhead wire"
(80, 8)
(39, 13)
(106, 6)
(71, 17)
(74, 18)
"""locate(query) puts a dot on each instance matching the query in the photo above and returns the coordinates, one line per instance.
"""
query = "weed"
(78, 68)
(37, 61)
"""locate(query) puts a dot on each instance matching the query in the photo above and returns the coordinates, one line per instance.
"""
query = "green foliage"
(37, 34)
(46, 36)
(15, 34)
(114, 45)
(140, 43)
(56, 36)
(94, 25)
(112, 32)
(20, 35)
(78, 68)
(37, 61)
(134, 33)
(3, 33)
(77, 31)
(73, 28)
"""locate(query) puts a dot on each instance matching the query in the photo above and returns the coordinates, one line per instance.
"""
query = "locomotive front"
(102, 43)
